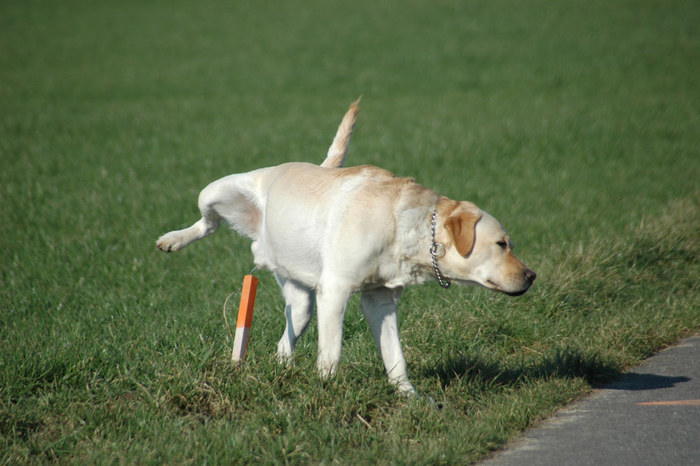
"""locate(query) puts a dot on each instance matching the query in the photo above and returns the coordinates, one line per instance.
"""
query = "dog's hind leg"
(379, 307)
(331, 302)
(178, 239)
(231, 198)
(299, 306)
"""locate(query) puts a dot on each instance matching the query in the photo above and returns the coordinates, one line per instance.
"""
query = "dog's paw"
(170, 242)
(326, 369)
(406, 388)
(284, 355)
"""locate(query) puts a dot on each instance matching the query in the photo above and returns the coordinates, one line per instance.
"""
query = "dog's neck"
(437, 250)
(411, 264)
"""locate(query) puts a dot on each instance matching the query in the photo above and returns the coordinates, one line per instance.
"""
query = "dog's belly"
(288, 258)
(285, 249)
(291, 237)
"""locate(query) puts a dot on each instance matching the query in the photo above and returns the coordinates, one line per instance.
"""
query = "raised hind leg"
(231, 198)
(178, 239)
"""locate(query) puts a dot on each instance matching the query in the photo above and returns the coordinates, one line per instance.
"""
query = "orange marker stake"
(245, 318)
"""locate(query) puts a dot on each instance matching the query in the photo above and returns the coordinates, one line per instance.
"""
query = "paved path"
(650, 416)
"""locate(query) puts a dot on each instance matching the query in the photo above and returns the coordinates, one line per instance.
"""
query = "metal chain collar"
(435, 253)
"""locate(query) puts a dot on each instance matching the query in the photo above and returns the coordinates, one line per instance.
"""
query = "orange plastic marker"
(245, 317)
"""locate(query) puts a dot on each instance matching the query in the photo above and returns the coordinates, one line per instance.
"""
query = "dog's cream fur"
(327, 232)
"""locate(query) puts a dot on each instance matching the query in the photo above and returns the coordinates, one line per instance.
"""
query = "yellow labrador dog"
(327, 232)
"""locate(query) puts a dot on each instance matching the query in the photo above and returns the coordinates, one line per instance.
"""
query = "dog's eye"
(502, 244)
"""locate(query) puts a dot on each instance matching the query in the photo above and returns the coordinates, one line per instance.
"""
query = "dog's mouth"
(493, 286)
(516, 293)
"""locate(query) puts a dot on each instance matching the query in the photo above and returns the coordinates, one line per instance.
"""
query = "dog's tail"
(339, 148)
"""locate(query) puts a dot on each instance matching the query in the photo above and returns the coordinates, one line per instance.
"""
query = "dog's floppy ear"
(462, 228)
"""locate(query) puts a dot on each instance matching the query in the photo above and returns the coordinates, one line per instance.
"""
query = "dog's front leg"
(379, 306)
(331, 303)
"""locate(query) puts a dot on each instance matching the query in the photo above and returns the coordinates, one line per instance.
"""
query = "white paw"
(406, 388)
(284, 353)
(326, 369)
(170, 242)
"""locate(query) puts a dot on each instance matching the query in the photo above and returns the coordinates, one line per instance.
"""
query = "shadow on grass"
(565, 364)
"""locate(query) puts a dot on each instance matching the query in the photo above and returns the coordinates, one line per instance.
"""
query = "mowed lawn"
(575, 123)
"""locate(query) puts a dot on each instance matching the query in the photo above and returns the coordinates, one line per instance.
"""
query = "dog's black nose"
(530, 275)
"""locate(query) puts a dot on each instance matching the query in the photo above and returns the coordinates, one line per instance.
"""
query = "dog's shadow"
(638, 381)
(566, 363)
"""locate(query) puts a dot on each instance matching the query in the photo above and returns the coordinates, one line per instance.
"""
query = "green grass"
(574, 123)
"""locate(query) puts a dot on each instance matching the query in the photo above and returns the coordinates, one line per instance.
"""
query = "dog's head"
(478, 250)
